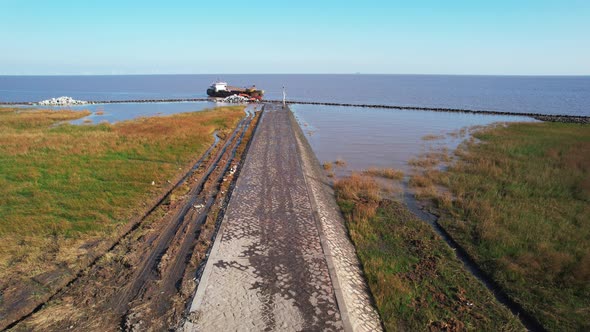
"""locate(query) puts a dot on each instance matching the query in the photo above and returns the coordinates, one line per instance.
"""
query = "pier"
(282, 259)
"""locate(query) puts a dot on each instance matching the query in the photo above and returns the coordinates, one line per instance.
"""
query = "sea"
(532, 94)
(362, 137)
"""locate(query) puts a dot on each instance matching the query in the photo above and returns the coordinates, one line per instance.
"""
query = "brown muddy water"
(384, 138)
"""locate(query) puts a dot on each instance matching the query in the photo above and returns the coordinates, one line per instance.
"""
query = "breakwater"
(538, 116)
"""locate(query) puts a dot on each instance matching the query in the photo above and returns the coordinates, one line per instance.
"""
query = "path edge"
(313, 173)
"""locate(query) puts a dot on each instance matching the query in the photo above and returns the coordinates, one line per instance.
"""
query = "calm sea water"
(362, 137)
(120, 112)
(383, 138)
(547, 95)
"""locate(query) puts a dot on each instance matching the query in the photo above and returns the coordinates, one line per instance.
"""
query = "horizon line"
(352, 73)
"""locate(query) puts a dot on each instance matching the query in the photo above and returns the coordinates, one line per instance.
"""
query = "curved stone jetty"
(282, 259)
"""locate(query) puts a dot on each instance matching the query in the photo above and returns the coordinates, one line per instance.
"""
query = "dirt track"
(145, 281)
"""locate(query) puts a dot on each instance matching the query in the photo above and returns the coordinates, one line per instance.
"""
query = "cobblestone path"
(268, 268)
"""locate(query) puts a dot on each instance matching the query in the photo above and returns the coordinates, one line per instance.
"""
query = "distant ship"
(221, 89)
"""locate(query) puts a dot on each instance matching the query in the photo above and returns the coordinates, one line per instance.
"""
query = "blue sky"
(518, 37)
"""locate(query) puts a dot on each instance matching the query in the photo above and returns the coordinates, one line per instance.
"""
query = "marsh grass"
(519, 202)
(415, 278)
(432, 137)
(388, 173)
(63, 185)
(340, 163)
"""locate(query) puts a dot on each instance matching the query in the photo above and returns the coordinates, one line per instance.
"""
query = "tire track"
(140, 282)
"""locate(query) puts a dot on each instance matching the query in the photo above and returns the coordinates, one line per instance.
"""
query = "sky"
(501, 37)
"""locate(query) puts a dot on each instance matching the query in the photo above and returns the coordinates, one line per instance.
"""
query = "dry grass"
(431, 159)
(420, 181)
(340, 163)
(388, 173)
(416, 281)
(61, 186)
(425, 161)
(358, 187)
(327, 166)
(432, 137)
(363, 190)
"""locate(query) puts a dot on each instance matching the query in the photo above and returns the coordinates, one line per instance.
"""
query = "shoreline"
(564, 118)
(355, 299)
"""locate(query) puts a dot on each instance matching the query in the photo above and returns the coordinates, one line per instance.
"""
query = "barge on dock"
(222, 90)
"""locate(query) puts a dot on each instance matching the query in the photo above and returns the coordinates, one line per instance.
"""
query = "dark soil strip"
(530, 322)
(221, 214)
(164, 242)
(169, 283)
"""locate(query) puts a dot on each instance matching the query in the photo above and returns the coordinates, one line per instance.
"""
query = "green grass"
(63, 185)
(416, 280)
(521, 208)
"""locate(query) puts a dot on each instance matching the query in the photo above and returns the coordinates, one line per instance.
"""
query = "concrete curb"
(356, 308)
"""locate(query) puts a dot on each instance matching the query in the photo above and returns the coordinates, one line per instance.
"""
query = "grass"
(416, 281)
(519, 202)
(432, 137)
(62, 186)
(340, 162)
(430, 159)
(388, 173)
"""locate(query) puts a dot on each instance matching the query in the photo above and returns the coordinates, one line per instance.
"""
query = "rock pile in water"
(62, 101)
(235, 99)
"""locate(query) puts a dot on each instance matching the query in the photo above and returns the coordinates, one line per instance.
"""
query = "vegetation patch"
(432, 137)
(519, 203)
(388, 173)
(416, 280)
(64, 188)
(340, 162)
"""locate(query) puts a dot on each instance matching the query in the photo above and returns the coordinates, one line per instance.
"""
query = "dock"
(282, 259)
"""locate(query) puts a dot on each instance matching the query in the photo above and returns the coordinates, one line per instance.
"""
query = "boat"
(221, 90)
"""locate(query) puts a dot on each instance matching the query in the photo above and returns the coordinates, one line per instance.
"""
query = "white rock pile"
(62, 101)
(235, 99)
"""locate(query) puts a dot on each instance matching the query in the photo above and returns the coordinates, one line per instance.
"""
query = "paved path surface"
(268, 269)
